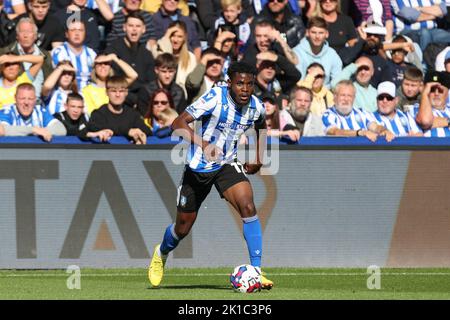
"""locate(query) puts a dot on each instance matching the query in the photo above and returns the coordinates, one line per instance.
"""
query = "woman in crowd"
(58, 85)
(94, 93)
(279, 123)
(175, 41)
(161, 113)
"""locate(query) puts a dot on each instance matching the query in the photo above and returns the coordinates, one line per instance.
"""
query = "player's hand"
(252, 168)
(212, 152)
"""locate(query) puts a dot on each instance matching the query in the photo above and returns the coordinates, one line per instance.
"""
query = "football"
(246, 279)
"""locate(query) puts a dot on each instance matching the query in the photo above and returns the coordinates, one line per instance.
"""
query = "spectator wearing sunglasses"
(432, 114)
(322, 96)
(398, 123)
(361, 73)
(161, 113)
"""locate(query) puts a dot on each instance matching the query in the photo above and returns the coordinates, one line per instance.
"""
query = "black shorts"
(195, 186)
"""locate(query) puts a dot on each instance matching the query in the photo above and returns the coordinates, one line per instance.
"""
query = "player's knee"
(248, 209)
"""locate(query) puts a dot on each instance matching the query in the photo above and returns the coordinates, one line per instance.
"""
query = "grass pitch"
(204, 284)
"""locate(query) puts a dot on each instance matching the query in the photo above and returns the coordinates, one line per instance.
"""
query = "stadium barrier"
(335, 202)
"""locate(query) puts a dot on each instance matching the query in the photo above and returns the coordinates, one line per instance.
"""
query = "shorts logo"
(183, 201)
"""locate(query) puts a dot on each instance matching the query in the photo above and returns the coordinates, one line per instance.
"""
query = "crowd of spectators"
(100, 68)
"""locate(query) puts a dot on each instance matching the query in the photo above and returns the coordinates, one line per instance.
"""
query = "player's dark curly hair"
(240, 67)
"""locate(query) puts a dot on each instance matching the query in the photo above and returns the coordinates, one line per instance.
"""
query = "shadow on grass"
(192, 287)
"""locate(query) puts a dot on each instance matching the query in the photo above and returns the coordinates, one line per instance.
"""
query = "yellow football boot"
(156, 267)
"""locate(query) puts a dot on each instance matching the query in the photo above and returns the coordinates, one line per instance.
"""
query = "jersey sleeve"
(46, 117)
(329, 120)
(6, 116)
(205, 104)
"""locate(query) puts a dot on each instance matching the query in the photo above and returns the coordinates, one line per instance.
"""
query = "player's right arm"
(180, 126)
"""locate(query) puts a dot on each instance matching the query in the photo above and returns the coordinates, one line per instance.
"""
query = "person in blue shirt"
(225, 113)
(26, 118)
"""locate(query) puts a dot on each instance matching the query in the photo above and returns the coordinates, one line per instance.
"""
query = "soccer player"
(225, 112)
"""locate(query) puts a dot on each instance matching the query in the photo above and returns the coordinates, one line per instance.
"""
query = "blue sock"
(253, 237)
(170, 240)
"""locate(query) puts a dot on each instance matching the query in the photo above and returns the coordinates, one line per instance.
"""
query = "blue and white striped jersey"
(83, 62)
(40, 117)
(8, 5)
(401, 125)
(356, 119)
(222, 123)
(406, 14)
(113, 4)
(435, 132)
(55, 102)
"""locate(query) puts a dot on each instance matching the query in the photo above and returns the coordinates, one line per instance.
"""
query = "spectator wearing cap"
(361, 71)
(431, 114)
(309, 124)
(372, 35)
(274, 74)
(279, 123)
(344, 120)
(322, 97)
(418, 20)
(378, 11)
(398, 123)
(314, 48)
(410, 89)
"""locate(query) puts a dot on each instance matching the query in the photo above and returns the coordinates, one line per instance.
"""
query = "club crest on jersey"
(209, 96)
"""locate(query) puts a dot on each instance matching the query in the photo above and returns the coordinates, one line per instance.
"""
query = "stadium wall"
(108, 207)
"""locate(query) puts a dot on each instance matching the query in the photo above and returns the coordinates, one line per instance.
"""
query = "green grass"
(193, 284)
